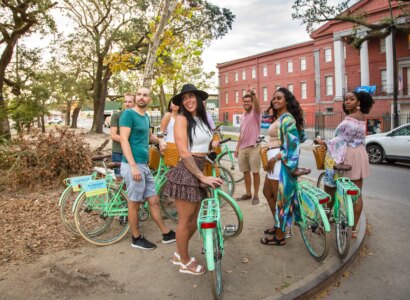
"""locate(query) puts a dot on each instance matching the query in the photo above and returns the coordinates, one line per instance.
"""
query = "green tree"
(18, 18)
(314, 12)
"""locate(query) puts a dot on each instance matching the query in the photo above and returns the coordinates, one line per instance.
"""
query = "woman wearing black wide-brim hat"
(193, 136)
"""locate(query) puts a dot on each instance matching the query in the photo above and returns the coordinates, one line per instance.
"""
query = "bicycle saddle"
(113, 165)
(342, 167)
(301, 171)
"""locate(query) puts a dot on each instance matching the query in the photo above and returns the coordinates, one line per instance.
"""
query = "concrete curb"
(326, 273)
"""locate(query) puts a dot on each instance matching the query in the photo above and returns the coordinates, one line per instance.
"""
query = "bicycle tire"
(343, 230)
(229, 185)
(216, 274)
(143, 213)
(312, 229)
(225, 161)
(66, 209)
(89, 218)
(231, 216)
(167, 204)
(321, 181)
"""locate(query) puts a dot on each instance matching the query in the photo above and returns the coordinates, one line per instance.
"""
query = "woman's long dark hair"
(293, 107)
(365, 99)
(200, 113)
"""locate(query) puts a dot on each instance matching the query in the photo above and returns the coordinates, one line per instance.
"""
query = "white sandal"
(184, 268)
(176, 259)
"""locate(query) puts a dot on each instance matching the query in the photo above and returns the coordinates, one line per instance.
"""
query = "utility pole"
(395, 83)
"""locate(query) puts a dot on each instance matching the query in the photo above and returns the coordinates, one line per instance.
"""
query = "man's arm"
(256, 103)
(114, 124)
(153, 139)
(114, 135)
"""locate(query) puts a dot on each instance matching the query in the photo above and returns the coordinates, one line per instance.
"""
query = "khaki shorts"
(249, 159)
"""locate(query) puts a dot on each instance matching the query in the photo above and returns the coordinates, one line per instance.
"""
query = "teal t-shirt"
(139, 135)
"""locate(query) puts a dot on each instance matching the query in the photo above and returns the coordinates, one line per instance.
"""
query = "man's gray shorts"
(138, 191)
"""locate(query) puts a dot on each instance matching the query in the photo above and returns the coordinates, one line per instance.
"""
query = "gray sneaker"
(142, 243)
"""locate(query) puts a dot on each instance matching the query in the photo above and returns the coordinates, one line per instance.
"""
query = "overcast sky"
(260, 25)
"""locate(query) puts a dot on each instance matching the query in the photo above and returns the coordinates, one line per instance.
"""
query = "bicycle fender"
(209, 248)
(76, 201)
(349, 206)
(63, 194)
(234, 203)
(324, 218)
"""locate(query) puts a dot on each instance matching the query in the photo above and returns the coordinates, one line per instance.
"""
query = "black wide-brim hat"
(189, 88)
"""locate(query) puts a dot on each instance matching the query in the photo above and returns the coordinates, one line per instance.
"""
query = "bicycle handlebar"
(225, 140)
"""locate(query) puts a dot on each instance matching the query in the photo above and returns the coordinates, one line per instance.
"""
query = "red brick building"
(321, 70)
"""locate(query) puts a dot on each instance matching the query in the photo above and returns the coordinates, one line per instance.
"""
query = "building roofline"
(261, 54)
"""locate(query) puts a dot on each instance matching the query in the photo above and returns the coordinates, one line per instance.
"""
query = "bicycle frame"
(347, 192)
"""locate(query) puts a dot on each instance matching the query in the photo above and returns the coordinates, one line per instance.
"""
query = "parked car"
(390, 146)
(55, 120)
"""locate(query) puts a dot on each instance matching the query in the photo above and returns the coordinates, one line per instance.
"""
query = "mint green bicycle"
(219, 217)
(313, 223)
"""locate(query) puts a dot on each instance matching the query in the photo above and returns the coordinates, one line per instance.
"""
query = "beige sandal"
(199, 270)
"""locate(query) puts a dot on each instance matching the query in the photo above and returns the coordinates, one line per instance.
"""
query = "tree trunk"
(68, 113)
(75, 115)
(98, 105)
(162, 99)
(43, 122)
(169, 7)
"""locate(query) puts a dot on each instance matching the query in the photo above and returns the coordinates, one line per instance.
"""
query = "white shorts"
(276, 170)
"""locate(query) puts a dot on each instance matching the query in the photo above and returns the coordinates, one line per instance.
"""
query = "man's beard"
(248, 109)
(142, 104)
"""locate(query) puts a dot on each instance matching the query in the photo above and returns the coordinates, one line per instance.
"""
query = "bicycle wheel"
(343, 230)
(102, 220)
(143, 213)
(228, 161)
(66, 209)
(167, 204)
(229, 185)
(231, 216)
(321, 181)
(216, 274)
(314, 234)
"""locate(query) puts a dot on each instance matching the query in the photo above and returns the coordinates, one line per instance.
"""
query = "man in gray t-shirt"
(129, 102)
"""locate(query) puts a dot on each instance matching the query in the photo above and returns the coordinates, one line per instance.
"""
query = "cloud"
(260, 25)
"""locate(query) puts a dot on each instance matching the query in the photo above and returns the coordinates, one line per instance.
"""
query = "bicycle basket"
(320, 152)
(171, 155)
(264, 157)
(208, 169)
(347, 187)
(153, 158)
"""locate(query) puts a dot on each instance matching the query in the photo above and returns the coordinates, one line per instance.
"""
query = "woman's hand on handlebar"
(319, 141)
(214, 182)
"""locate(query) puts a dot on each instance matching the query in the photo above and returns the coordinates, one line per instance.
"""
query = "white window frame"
(277, 87)
(329, 85)
(303, 64)
(290, 87)
(253, 73)
(236, 76)
(243, 92)
(328, 54)
(265, 70)
(226, 78)
(383, 80)
(265, 94)
(243, 74)
(236, 96)
(277, 68)
(382, 45)
(303, 90)
(226, 97)
(290, 66)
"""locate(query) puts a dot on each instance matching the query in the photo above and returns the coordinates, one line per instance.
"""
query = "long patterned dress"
(286, 204)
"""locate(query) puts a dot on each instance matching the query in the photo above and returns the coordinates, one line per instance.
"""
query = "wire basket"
(171, 155)
(264, 157)
(153, 158)
(319, 153)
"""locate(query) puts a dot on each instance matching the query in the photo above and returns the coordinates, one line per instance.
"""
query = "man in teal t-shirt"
(135, 136)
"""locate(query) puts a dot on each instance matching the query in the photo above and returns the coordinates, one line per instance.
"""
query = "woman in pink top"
(348, 147)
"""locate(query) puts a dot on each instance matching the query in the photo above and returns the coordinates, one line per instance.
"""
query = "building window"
(243, 92)
(382, 45)
(226, 78)
(277, 68)
(328, 110)
(243, 74)
(303, 64)
(344, 51)
(290, 66)
(329, 85)
(236, 96)
(290, 87)
(253, 73)
(265, 70)
(277, 87)
(265, 93)
(328, 55)
(383, 77)
(303, 90)
(226, 116)
(236, 76)
(226, 98)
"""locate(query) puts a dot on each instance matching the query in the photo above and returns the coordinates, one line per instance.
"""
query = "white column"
(389, 64)
(364, 64)
(339, 68)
